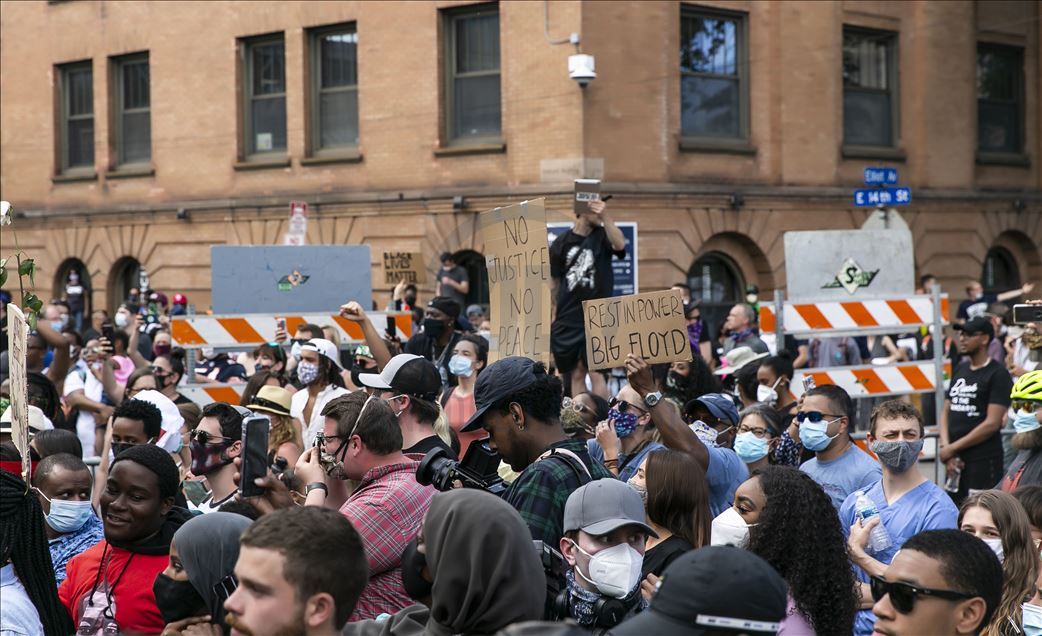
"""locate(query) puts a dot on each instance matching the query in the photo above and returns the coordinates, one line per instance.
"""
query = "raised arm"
(675, 433)
(615, 236)
(354, 312)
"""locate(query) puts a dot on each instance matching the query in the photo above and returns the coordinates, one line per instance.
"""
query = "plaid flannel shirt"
(387, 509)
(541, 490)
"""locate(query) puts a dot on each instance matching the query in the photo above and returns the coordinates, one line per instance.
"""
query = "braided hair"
(23, 542)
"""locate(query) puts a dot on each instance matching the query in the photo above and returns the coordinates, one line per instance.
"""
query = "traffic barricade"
(247, 331)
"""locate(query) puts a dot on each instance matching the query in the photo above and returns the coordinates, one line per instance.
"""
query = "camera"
(1024, 313)
(581, 69)
(478, 469)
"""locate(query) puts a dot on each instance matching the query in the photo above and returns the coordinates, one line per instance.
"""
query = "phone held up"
(1024, 313)
(809, 383)
(255, 432)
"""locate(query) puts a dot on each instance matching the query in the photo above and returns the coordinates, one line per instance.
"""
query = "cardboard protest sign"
(17, 339)
(586, 190)
(650, 325)
(407, 266)
(518, 260)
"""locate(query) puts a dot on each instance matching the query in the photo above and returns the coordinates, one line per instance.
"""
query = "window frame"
(893, 77)
(246, 46)
(449, 18)
(119, 63)
(64, 168)
(1020, 102)
(742, 76)
(314, 107)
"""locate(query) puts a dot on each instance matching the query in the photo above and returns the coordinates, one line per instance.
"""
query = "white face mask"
(767, 394)
(121, 320)
(996, 547)
(614, 571)
(729, 528)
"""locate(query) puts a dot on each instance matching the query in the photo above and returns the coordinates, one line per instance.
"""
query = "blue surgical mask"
(749, 447)
(1025, 422)
(460, 366)
(1032, 619)
(624, 423)
(814, 436)
(67, 516)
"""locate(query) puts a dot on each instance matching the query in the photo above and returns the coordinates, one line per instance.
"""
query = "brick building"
(138, 134)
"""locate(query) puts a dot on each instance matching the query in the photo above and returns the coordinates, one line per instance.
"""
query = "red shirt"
(387, 510)
(136, 610)
(458, 410)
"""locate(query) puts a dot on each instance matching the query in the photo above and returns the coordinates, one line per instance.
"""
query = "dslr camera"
(478, 469)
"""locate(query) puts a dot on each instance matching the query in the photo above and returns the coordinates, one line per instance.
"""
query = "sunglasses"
(1026, 405)
(622, 406)
(206, 438)
(570, 404)
(813, 416)
(903, 595)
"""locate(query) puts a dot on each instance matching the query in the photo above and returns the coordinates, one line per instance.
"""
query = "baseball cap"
(718, 404)
(977, 326)
(475, 310)
(500, 380)
(602, 506)
(324, 348)
(714, 589)
(407, 374)
(172, 418)
(37, 420)
(445, 305)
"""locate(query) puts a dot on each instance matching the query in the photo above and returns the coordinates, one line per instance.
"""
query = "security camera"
(581, 69)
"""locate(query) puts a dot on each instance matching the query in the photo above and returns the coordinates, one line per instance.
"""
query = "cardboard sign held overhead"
(586, 191)
(650, 325)
(17, 342)
(518, 260)
(407, 266)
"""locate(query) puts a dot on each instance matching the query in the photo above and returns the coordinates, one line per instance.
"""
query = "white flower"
(5, 213)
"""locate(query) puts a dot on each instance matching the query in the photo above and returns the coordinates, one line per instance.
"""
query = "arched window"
(717, 282)
(72, 284)
(474, 263)
(1000, 272)
(126, 274)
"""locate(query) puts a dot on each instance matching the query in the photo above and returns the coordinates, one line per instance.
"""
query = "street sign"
(882, 196)
(880, 176)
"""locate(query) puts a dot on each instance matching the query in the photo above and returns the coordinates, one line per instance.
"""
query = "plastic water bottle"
(878, 538)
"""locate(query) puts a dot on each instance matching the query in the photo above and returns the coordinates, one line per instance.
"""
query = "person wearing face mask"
(319, 373)
(83, 390)
(709, 437)
(908, 503)
(471, 570)
(759, 430)
(1026, 468)
(468, 359)
(200, 575)
(782, 516)
(168, 370)
(439, 336)
(1030, 497)
(686, 381)
(976, 302)
(365, 444)
(839, 466)
(998, 519)
(270, 357)
(63, 485)
(603, 544)
(215, 442)
(625, 438)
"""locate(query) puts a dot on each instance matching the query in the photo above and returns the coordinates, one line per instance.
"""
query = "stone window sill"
(129, 172)
(873, 152)
(263, 163)
(338, 157)
(719, 146)
(475, 149)
(74, 176)
(1016, 159)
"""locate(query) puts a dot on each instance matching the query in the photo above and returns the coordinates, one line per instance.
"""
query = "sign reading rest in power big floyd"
(518, 261)
(649, 325)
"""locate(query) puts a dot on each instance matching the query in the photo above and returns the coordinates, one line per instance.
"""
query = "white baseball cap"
(37, 420)
(323, 347)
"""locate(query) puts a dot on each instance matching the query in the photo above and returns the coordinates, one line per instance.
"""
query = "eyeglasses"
(903, 595)
(570, 404)
(206, 438)
(622, 406)
(813, 416)
(758, 432)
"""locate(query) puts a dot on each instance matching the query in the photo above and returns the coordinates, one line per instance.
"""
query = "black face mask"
(433, 327)
(355, 372)
(177, 600)
(413, 562)
(119, 447)
(410, 301)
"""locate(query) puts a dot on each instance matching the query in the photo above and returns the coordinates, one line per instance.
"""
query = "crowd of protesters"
(416, 488)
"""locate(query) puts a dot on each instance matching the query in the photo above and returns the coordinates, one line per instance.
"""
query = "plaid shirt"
(541, 490)
(387, 509)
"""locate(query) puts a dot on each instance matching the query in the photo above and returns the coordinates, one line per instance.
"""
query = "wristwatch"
(316, 485)
(653, 398)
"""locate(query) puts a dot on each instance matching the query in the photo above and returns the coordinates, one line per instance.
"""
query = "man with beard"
(1026, 469)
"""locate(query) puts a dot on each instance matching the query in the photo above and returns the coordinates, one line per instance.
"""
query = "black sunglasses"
(903, 595)
(206, 438)
(813, 416)
(622, 406)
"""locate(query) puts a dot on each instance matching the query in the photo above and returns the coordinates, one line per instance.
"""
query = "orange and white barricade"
(902, 378)
(203, 394)
(856, 317)
(251, 330)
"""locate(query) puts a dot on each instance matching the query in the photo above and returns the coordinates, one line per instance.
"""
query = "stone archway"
(124, 276)
(736, 261)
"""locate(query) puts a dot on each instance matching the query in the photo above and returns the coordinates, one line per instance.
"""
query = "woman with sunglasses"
(999, 520)
(1026, 468)
(626, 437)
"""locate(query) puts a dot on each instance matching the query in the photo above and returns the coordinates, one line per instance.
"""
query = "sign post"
(17, 342)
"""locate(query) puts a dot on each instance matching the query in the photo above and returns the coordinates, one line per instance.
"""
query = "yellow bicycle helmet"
(1028, 387)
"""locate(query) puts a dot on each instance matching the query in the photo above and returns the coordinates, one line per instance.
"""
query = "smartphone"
(809, 383)
(392, 327)
(254, 454)
(280, 323)
(195, 491)
(1024, 313)
(107, 332)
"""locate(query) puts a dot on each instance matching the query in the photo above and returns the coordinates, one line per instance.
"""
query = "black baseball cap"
(713, 589)
(977, 326)
(500, 380)
(406, 374)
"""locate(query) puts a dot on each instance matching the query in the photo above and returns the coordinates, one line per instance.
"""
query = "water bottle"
(951, 484)
(878, 538)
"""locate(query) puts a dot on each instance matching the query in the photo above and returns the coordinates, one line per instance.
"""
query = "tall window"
(1000, 98)
(133, 125)
(77, 116)
(334, 88)
(713, 80)
(1000, 272)
(869, 79)
(715, 280)
(472, 73)
(265, 93)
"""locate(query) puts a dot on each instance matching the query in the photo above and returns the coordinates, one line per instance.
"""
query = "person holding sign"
(580, 266)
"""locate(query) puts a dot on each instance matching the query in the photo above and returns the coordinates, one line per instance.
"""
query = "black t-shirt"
(581, 265)
(975, 308)
(970, 392)
(657, 559)
(420, 344)
(428, 444)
